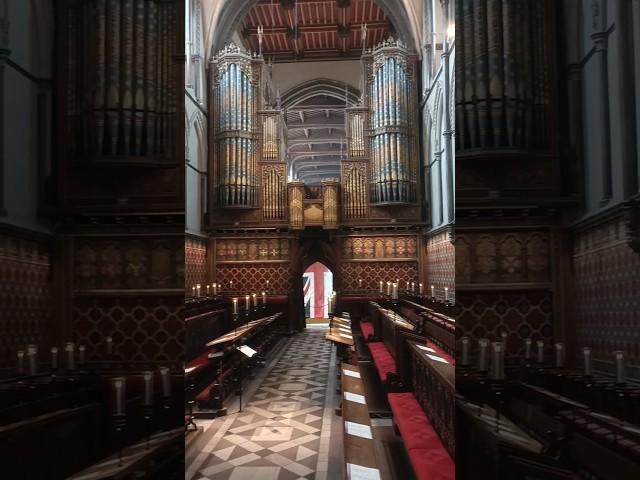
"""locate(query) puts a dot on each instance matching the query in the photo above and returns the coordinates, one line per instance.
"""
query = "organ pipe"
(120, 80)
(235, 84)
(392, 106)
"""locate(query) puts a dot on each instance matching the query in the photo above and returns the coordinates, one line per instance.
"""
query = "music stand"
(248, 352)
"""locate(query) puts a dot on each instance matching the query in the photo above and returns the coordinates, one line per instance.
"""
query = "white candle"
(20, 362)
(559, 355)
(215, 289)
(198, 289)
(421, 288)
(255, 299)
(498, 368)
(119, 386)
(540, 345)
(395, 291)
(413, 287)
(148, 388)
(246, 302)
(389, 288)
(264, 298)
(465, 350)
(359, 283)
(235, 305)
(32, 358)
(54, 358)
(166, 382)
(482, 357)
(70, 349)
(81, 351)
(381, 287)
(193, 291)
(620, 377)
(230, 284)
(587, 361)
(207, 290)
(433, 291)
(267, 285)
(446, 295)
(503, 337)
(109, 345)
(527, 349)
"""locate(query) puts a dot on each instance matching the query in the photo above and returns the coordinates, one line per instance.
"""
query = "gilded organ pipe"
(234, 91)
(393, 117)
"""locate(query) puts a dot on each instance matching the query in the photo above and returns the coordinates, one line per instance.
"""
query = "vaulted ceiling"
(315, 128)
(314, 29)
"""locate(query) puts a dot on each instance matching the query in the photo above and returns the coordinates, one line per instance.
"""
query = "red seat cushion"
(382, 358)
(429, 458)
(366, 329)
(432, 464)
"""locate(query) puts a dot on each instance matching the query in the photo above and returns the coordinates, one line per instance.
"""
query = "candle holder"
(119, 426)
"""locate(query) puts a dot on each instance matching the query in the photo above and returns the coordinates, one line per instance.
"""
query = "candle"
(381, 287)
(587, 361)
(70, 349)
(527, 349)
(540, 345)
(498, 358)
(359, 283)
(394, 293)
(465, 350)
(118, 391)
(559, 355)
(54, 358)
(235, 305)
(148, 388)
(433, 291)
(255, 299)
(20, 362)
(389, 288)
(246, 302)
(215, 289)
(32, 359)
(267, 285)
(109, 345)
(207, 290)
(503, 340)
(81, 351)
(166, 382)
(264, 299)
(193, 291)
(413, 287)
(619, 366)
(421, 287)
(482, 357)
(446, 294)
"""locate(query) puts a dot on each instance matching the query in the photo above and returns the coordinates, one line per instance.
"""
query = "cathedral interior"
(319, 239)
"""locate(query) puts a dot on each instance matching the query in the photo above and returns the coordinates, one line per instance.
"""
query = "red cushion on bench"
(366, 329)
(429, 458)
(382, 358)
(415, 428)
(200, 360)
(432, 464)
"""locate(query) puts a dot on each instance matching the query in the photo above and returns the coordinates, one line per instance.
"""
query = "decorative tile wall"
(252, 249)
(381, 247)
(254, 277)
(128, 263)
(607, 285)
(509, 257)
(372, 272)
(144, 328)
(522, 314)
(25, 296)
(195, 262)
(440, 262)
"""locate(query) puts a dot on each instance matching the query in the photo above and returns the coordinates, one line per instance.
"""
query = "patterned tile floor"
(284, 430)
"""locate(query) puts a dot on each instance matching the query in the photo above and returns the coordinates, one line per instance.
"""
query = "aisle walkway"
(284, 431)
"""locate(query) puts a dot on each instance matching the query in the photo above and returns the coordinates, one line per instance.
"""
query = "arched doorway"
(317, 285)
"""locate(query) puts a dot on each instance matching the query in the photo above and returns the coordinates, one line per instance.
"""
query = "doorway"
(317, 285)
